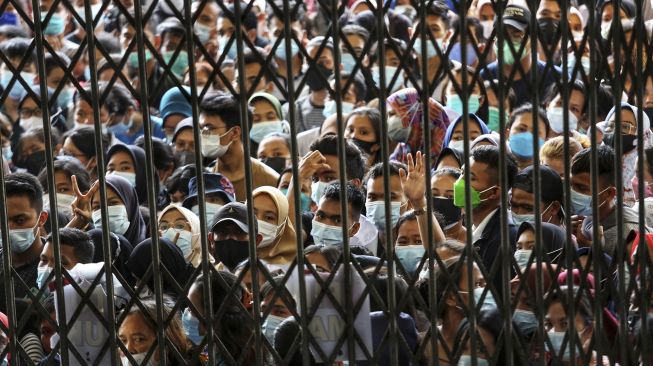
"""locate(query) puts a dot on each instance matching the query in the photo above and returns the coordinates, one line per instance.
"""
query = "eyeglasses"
(627, 127)
(177, 225)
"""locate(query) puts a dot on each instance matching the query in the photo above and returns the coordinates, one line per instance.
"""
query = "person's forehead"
(377, 185)
(262, 106)
(330, 207)
(521, 196)
(273, 144)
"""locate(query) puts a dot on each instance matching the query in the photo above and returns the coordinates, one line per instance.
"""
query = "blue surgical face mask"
(129, 176)
(17, 89)
(581, 204)
(210, 209)
(232, 51)
(488, 300)
(348, 62)
(120, 128)
(466, 360)
(430, 48)
(330, 108)
(410, 256)
(522, 256)
(305, 200)
(280, 52)
(326, 234)
(191, 327)
(557, 121)
(180, 64)
(390, 72)
(118, 219)
(456, 54)
(65, 98)
(183, 241)
(262, 129)
(518, 219)
(317, 189)
(203, 32)
(270, 325)
(7, 153)
(525, 321)
(521, 145)
(375, 210)
(456, 103)
(557, 339)
(42, 275)
(21, 239)
(56, 25)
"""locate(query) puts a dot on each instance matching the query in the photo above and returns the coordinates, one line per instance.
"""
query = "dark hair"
(328, 145)
(582, 163)
(489, 155)
(276, 288)
(180, 178)
(57, 60)
(356, 30)
(286, 140)
(357, 80)
(296, 14)
(583, 304)
(373, 115)
(604, 100)
(439, 9)
(84, 248)
(407, 216)
(224, 106)
(648, 154)
(69, 166)
(259, 56)
(554, 90)
(381, 283)
(527, 108)
(84, 139)
(331, 253)
(508, 93)
(355, 197)
(39, 134)
(110, 43)
(234, 326)
(14, 48)
(376, 171)
(447, 172)
(284, 337)
(447, 279)
(25, 184)
(118, 100)
(162, 153)
(247, 15)
(12, 31)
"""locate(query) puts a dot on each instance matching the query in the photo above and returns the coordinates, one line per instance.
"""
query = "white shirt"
(367, 235)
(478, 230)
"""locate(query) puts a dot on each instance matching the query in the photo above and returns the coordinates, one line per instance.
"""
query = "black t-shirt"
(546, 76)
(27, 272)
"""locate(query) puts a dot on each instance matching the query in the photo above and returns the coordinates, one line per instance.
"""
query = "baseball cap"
(517, 16)
(235, 212)
(213, 183)
(550, 183)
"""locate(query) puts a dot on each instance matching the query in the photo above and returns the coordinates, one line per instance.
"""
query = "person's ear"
(157, 42)
(354, 229)
(247, 299)
(259, 239)
(451, 301)
(91, 164)
(375, 148)
(356, 182)
(43, 217)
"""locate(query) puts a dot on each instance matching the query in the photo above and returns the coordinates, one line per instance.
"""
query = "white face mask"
(184, 241)
(210, 209)
(318, 188)
(31, 123)
(63, 202)
(139, 358)
(268, 231)
(211, 147)
(118, 219)
(458, 145)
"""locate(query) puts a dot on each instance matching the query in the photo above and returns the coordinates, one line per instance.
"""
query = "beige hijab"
(195, 256)
(284, 248)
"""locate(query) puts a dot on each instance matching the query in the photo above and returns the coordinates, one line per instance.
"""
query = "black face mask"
(231, 252)
(628, 142)
(366, 146)
(549, 30)
(33, 163)
(185, 157)
(277, 163)
(314, 80)
(446, 208)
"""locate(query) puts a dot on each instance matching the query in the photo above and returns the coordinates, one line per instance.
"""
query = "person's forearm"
(422, 222)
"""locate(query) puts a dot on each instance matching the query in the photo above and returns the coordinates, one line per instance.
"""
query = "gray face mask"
(396, 131)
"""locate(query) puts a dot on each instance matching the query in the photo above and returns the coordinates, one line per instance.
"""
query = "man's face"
(228, 230)
(324, 58)
(252, 71)
(328, 213)
(214, 125)
(68, 257)
(480, 177)
(171, 41)
(225, 27)
(375, 191)
(436, 26)
(524, 123)
(185, 140)
(549, 9)
(522, 202)
(208, 15)
(581, 183)
(329, 175)
(21, 214)
(348, 95)
(357, 44)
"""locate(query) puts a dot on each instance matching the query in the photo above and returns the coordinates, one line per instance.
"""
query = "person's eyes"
(337, 220)
(270, 218)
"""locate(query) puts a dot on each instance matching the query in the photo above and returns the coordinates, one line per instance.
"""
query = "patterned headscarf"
(406, 103)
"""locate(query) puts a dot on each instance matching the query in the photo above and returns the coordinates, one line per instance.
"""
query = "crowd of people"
(199, 275)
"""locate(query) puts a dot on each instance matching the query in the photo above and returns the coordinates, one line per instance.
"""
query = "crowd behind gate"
(566, 86)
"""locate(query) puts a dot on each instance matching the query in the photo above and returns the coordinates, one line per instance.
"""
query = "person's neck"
(34, 251)
(232, 160)
(450, 324)
(606, 210)
(457, 232)
(317, 97)
(482, 211)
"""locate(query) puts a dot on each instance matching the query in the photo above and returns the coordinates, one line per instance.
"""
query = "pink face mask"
(648, 192)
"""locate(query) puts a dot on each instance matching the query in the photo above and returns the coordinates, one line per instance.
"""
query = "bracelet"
(419, 212)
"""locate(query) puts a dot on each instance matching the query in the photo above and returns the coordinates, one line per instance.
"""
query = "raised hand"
(81, 206)
(311, 164)
(412, 182)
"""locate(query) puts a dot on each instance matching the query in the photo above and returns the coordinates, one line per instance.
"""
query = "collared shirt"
(478, 230)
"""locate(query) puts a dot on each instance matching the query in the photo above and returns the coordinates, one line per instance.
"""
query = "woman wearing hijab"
(182, 227)
(279, 244)
(120, 251)
(629, 123)
(455, 136)
(124, 214)
(128, 161)
(170, 257)
(405, 125)
(554, 240)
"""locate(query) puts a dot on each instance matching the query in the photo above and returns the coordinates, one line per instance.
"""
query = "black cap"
(517, 16)
(235, 212)
(550, 183)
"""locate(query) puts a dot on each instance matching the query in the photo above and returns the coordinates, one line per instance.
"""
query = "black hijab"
(120, 251)
(138, 158)
(136, 232)
(171, 257)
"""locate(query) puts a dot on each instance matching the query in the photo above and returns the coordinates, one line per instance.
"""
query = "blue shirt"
(157, 131)
(546, 76)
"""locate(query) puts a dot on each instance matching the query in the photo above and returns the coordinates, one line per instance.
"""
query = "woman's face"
(173, 219)
(113, 199)
(526, 240)
(442, 186)
(30, 109)
(69, 149)
(137, 335)
(408, 234)
(121, 161)
(63, 183)
(459, 133)
(360, 127)
(556, 321)
(31, 145)
(265, 209)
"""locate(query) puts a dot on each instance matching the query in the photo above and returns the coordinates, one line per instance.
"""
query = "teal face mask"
(410, 256)
(180, 65)
(456, 103)
(493, 118)
(508, 56)
(305, 200)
